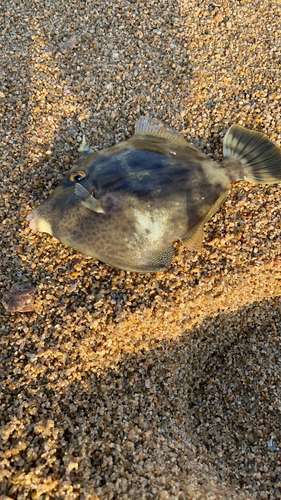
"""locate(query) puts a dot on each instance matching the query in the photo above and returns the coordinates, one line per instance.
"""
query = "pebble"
(69, 45)
(271, 445)
(20, 298)
(219, 18)
(148, 383)
(77, 419)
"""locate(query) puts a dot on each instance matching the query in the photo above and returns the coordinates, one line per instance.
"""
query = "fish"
(127, 204)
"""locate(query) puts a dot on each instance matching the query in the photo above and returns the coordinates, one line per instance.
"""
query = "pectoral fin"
(81, 191)
(89, 201)
(93, 204)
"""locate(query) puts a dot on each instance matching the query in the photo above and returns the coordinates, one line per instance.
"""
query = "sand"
(120, 385)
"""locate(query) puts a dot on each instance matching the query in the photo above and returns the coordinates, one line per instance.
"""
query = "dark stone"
(20, 298)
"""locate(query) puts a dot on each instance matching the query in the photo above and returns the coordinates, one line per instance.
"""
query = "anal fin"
(194, 239)
(217, 205)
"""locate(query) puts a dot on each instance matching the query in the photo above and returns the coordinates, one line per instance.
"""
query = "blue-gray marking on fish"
(127, 204)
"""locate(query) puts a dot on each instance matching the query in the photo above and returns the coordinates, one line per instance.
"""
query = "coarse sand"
(121, 385)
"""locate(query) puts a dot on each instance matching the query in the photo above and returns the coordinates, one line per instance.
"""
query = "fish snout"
(40, 224)
(32, 220)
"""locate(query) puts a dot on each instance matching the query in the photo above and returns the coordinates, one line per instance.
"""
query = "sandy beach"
(121, 385)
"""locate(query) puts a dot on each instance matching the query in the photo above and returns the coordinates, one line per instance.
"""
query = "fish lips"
(32, 220)
(37, 223)
(48, 210)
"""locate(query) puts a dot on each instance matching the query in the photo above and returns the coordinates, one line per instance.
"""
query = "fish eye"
(77, 176)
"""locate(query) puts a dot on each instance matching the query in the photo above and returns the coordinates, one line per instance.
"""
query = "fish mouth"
(32, 220)
(39, 223)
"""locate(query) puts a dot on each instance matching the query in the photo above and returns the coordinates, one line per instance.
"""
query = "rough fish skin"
(133, 200)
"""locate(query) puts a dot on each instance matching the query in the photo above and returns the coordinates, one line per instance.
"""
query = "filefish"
(125, 205)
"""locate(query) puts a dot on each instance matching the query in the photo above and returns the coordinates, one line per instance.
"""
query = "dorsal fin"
(84, 148)
(150, 126)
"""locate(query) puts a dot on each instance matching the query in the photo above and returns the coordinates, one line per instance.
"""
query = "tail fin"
(260, 158)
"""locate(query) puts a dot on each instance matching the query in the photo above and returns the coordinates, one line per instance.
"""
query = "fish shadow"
(202, 410)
